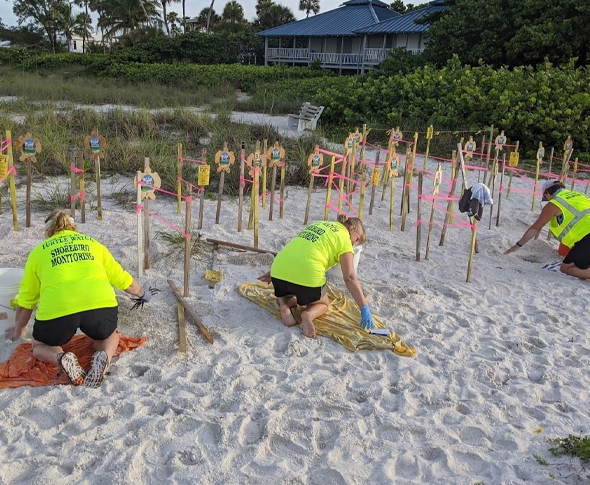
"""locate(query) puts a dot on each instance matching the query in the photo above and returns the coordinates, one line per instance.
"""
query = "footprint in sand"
(251, 431)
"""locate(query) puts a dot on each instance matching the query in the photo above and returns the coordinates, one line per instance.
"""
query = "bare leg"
(109, 345)
(285, 304)
(46, 353)
(311, 312)
(573, 270)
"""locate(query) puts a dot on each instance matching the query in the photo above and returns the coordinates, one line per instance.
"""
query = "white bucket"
(336, 271)
(10, 279)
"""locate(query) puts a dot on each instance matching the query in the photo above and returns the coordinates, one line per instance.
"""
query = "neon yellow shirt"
(306, 258)
(70, 273)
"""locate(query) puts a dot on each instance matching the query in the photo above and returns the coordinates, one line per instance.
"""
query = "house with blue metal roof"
(354, 37)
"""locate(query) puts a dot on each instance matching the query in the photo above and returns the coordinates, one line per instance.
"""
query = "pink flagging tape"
(196, 187)
(11, 171)
(243, 181)
(334, 207)
(340, 176)
(138, 209)
(80, 195)
(582, 171)
(504, 188)
(518, 170)
(332, 154)
(76, 169)
(141, 184)
(438, 197)
(169, 224)
(580, 182)
(276, 199)
(437, 223)
(5, 144)
(189, 198)
(474, 167)
(192, 160)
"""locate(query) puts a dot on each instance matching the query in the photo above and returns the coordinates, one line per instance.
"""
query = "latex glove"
(366, 318)
(145, 298)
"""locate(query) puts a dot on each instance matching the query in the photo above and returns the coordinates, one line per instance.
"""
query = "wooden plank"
(191, 313)
(239, 246)
(181, 328)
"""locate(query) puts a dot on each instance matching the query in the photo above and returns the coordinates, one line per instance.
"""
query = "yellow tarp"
(340, 323)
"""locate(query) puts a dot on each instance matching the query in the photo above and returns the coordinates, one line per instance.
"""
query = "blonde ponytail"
(59, 221)
(353, 223)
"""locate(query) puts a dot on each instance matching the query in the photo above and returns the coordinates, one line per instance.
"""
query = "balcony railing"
(370, 56)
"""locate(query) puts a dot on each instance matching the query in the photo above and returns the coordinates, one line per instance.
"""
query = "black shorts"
(580, 253)
(98, 324)
(304, 294)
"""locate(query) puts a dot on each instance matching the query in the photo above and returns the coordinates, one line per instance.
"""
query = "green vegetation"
(576, 447)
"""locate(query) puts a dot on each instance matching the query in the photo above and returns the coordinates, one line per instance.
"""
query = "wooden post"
(273, 180)
(220, 195)
(387, 169)
(282, 188)
(536, 182)
(391, 200)
(418, 216)
(28, 199)
(500, 191)
(12, 187)
(264, 162)
(187, 245)
(98, 191)
(239, 246)
(471, 249)
(483, 142)
(350, 168)
(435, 189)
(450, 202)
(146, 223)
(191, 312)
(241, 187)
(178, 179)
(493, 173)
(82, 186)
(428, 139)
(329, 191)
(202, 193)
(73, 163)
(511, 172)
(403, 204)
(363, 174)
(255, 199)
(213, 263)
(139, 229)
(575, 172)
(551, 158)
(375, 180)
(181, 328)
(489, 153)
(341, 186)
(309, 190)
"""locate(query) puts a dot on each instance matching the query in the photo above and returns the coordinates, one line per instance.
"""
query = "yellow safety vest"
(575, 223)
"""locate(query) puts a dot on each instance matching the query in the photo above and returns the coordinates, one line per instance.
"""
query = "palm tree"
(184, 16)
(308, 6)
(165, 14)
(70, 24)
(124, 16)
(207, 17)
(273, 15)
(233, 13)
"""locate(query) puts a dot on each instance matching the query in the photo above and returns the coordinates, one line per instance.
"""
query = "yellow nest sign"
(3, 166)
(514, 158)
(204, 171)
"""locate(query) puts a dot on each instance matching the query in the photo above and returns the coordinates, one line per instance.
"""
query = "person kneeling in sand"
(70, 276)
(568, 215)
(298, 272)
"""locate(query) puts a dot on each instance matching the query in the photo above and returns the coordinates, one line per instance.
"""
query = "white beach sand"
(502, 364)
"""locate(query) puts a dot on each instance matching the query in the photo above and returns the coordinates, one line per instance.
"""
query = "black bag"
(473, 207)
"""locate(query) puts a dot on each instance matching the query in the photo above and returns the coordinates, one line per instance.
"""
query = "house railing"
(370, 56)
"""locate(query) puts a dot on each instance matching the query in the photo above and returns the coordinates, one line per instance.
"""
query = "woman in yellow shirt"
(70, 277)
(298, 272)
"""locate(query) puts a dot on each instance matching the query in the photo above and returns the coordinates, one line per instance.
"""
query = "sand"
(501, 365)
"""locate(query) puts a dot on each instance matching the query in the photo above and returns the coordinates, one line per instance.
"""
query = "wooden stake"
(450, 202)
(202, 194)
(500, 191)
(179, 177)
(282, 189)
(483, 142)
(575, 172)
(405, 179)
(363, 174)
(341, 186)
(551, 158)
(536, 182)
(375, 180)
(436, 183)
(471, 249)
(139, 229)
(146, 223)
(12, 187)
(82, 186)
(181, 328)
(493, 174)
(73, 163)
(239, 246)
(191, 313)
(241, 187)
(419, 215)
(213, 263)
(273, 180)
(489, 153)
(263, 159)
(309, 190)
(427, 150)
(329, 191)
(28, 200)
(220, 195)
(187, 245)
(391, 201)
(98, 191)
(255, 196)
(511, 173)
(387, 170)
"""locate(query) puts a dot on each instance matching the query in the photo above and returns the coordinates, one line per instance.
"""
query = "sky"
(193, 7)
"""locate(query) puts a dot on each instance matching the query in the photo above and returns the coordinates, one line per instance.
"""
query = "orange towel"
(23, 369)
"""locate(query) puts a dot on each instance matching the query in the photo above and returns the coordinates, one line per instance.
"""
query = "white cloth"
(482, 193)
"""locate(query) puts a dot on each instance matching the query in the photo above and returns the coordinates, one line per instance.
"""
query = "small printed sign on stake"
(275, 155)
(3, 166)
(150, 182)
(470, 147)
(540, 151)
(500, 141)
(203, 178)
(28, 147)
(224, 159)
(568, 145)
(349, 144)
(514, 159)
(437, 180)
(394, 165)
(315, 160)
(95, 144)
(396, 136)
(375, 179)
(430, 132)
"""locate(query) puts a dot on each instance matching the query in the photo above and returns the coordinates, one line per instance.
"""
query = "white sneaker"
(98, 368)
(68, 363)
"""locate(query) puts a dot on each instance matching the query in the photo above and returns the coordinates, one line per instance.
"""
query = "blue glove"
(366, 318)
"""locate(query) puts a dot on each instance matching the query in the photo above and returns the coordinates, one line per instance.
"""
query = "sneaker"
(68, 363)
(98, 368)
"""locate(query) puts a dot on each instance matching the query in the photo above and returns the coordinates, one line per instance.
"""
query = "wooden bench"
(307, 119)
